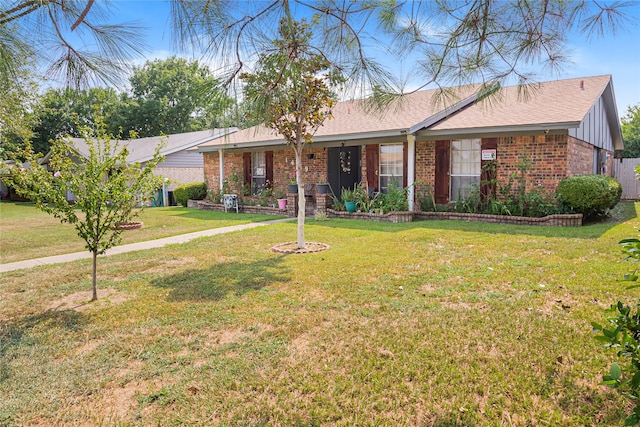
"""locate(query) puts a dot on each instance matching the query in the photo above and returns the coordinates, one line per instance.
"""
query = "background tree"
(106, 188)
(17, 118)
(175, 96)
(290, 92)
(61, 110)
(631, 132)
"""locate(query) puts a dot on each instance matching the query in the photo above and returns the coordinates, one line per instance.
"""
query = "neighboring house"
(565, 127)
(180, 166)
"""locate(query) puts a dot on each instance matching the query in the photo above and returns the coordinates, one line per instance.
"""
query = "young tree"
(290, 92)
(106, 188)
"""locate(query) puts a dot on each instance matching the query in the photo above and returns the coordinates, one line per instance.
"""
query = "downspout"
(221, 166)
(411, 169)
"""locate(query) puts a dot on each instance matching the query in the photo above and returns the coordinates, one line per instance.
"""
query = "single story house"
(181, 165)
(562, 128)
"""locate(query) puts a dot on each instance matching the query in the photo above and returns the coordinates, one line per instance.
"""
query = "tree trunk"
(94, 276)
(301, 199)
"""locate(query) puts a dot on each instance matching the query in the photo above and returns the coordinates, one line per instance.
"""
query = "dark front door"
(343, 169)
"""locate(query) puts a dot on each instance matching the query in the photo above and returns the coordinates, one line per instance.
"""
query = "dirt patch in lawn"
(81, 300)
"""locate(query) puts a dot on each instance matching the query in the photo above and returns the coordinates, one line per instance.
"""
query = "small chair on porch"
(230, 201)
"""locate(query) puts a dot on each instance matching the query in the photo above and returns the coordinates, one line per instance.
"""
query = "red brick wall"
(314, 170)
(580, 157)
(425, 166)
(547, 155)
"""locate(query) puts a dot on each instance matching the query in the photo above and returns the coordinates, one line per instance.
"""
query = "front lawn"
(438, 323)
(29, 233)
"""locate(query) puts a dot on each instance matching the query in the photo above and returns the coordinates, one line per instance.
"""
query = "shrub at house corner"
(590, 195)
(107, 189)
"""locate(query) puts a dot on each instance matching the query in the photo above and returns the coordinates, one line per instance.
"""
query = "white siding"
(183, 159)
(594, 128)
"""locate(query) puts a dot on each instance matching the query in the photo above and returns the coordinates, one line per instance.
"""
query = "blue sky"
(616, 54)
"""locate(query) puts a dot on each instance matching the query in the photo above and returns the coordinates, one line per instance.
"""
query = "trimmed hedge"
(193, 191)
(590, 195)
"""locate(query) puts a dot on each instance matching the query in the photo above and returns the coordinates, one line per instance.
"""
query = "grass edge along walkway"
(149, 244)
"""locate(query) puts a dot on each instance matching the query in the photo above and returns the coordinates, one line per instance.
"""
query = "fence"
(624, 170)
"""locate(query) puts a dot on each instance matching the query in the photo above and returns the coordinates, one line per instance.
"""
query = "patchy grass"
(431, 323)
(29, 233)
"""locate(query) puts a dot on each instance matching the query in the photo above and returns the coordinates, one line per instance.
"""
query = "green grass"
(438, 323)
(27, 233)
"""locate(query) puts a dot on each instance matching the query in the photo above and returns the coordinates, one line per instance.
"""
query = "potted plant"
(282, 200)
(292, 186)
(349, 198)
(322, 188)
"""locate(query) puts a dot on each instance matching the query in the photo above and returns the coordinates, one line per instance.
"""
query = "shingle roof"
(558, 102)
(142, 149)
(350, 118)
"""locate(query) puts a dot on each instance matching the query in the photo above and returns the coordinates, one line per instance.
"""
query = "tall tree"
(291, 93)
(107, 189)
(631, 132)
(75, 41)
(452, 42)
(175, 96)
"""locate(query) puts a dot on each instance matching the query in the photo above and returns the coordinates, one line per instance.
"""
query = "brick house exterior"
(567, 127)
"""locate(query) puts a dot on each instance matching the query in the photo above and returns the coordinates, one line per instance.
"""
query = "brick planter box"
(389, 217)
(565, 220)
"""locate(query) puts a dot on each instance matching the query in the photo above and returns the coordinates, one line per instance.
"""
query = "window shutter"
(405, 161)
(443, 165)
(268, 157)
(488, 172)
(372, 163)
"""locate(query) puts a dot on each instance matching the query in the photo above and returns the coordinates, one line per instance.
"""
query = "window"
(391, 165)
(465, 167)
(258, 171)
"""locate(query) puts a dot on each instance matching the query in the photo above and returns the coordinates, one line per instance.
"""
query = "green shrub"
(193, 191)
(591, 195)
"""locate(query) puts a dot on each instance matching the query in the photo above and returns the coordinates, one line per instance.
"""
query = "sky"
(615, 54)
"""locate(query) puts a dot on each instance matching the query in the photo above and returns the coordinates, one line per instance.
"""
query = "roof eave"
(324, 140)
(540, 128)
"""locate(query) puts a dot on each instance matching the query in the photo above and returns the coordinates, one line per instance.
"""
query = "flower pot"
(322, 188)
(351, 206)
(282, 204)
(293, 188)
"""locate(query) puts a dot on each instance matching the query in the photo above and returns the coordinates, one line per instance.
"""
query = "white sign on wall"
(489, 154)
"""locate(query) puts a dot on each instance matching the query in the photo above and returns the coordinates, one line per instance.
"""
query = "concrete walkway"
(149, 244)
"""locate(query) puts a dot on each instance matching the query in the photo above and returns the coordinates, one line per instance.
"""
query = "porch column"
(411, 169)
(221, 166)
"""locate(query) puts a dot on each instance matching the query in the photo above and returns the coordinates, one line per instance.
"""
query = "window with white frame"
(258, 171)
(391, 166)
(465, 167)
